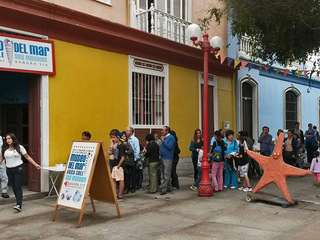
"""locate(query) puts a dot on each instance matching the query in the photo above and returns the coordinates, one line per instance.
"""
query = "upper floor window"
(108, 2)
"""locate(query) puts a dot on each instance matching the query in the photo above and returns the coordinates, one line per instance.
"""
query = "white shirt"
(200, 155)
(13, 158)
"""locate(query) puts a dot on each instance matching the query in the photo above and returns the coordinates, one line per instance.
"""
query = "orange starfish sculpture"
(276, 170)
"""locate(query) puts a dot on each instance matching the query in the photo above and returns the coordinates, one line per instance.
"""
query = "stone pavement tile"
(266, 217)
(218, 231)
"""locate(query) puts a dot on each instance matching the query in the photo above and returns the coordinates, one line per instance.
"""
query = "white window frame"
(299, 110)
(164, 73)
(255, 105)
(214, 84)
(107, 2)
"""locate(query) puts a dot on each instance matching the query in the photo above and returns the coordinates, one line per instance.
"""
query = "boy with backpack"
(243, 166)
(218, 149)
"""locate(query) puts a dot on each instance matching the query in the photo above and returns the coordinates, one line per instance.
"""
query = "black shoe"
(5, 195)
(163, 193)
(18, 208)
(133, 190)
(126, 191)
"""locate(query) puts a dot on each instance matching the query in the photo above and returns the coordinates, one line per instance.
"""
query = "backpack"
(129, 156)
(217, 153)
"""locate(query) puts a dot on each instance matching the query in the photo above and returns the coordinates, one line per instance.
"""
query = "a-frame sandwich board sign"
(87, 173)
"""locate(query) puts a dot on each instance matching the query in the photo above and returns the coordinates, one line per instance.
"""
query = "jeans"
(266, 153)
(217, 171)
(198, 180)
(153, 176)
(174, 175)
(195, 165)
(16, 177)
(288, 159)
(3, 178)
(129, 179)
(310, 151)
(166, 173)
(230, 175)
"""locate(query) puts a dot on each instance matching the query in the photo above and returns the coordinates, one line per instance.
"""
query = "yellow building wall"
(88, 93)
(183, 105)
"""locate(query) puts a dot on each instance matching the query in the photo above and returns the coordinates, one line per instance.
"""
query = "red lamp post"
(215, 44)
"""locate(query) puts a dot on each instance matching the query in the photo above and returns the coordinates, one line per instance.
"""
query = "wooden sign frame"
(100, 184)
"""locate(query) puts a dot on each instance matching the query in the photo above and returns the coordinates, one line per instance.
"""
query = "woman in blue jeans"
(230, 174)
(12, 152)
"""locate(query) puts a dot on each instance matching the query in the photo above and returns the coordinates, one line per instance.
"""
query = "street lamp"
(194, 33)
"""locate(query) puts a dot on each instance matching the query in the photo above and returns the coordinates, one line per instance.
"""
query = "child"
(300, 158)
(117, 171)
(218, 147)
(315, 168)
(243, 167)
(194, 187)
(112, 149)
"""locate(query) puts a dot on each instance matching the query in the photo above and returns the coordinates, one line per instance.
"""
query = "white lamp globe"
(216, 43)
(193, 32)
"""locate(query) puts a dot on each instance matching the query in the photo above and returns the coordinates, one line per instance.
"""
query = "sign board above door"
(29, 55)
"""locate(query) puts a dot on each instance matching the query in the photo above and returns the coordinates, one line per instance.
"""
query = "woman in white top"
(12, 153)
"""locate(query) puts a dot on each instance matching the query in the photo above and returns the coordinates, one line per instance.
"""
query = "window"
(291, 109)
(108, 2)
(148, 94)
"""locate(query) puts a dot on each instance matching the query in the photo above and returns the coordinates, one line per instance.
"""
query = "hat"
(119, 135)
(228, 132)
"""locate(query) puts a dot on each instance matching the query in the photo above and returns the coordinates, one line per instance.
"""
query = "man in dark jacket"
(167, 153)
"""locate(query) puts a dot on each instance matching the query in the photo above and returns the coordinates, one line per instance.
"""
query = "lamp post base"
(205, 190)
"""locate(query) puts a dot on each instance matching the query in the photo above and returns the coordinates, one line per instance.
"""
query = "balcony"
(245, 48)
(159, 23)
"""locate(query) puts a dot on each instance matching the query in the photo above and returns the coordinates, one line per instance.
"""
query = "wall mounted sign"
(29, 55)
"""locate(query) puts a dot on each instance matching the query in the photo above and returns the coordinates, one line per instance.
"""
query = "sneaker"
(240, 188)
(18, 208)
(120, 199)
(193, 188)
(232, 187)
(225, 186)
(163, 193)
(5, 195)
(247, 189)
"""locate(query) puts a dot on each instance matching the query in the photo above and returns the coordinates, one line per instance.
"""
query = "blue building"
(265, 98)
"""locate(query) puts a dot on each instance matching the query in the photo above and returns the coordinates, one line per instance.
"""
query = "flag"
(236, 63)
(266, 68)
(285, 72)
(299, 73)
(278, 70)
(217, 56)
(222, 58)
(229, 61)
(305, 73)
(243, 64)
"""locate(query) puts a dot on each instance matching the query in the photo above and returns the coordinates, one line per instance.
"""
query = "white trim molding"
(212, 81)
(296, 91)
(255, 104)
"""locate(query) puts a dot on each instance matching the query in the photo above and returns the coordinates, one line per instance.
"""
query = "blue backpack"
(217, 153)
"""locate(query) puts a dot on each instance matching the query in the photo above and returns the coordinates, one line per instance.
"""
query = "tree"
(279, 30)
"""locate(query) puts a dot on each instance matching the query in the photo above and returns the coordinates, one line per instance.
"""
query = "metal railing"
(245, 46)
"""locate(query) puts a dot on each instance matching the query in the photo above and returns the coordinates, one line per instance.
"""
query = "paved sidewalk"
(178, 215)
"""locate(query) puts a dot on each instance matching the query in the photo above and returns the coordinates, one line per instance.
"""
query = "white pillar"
(133, 14)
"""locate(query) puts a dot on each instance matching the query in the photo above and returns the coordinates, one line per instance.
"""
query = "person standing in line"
(243, 166)
(195, 146)
(315, 168)
(223, 137)
(310, 135)
(128, 163)
(159, 142)
(86, 136)
(230, 175)
(299, 132)
(136, 151)
(219, 147)
(290, 148)
(3, 176)
(265, 141)
(195, 185)
(174, 175)
(112, 148)
(12, 152)
(167, 154)
(152, 153)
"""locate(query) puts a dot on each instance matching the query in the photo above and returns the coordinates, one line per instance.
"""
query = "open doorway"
(20, 114)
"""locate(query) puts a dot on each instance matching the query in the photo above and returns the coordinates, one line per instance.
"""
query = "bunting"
(285, 72)
(229, 61)
(217, 56)
(278, 70)
(299, 73)
(222, 58)
(266, 68)
(306, 72)
(243, 64)
(236, 63)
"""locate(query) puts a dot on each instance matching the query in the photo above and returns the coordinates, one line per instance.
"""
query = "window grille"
(148, 105)
(291, 109)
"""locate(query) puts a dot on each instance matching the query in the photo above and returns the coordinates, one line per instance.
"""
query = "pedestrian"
(152, 153)
(129, 163)
(195, 185)
(317, 133)
(3, 176)
(86, 135)
(243, 167)
(300, 157)
(290, 148)
(117, 171)
(140, 166)
(311, 141)
(315, 168)
(265, 141)
(112, 148)
(159, 142)
(299, 132)
(195, 146)
(12, 152)
(174, 176)
(218, 156)
(223, 136)
(136, 151)
(167, 153)
(230, 175)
